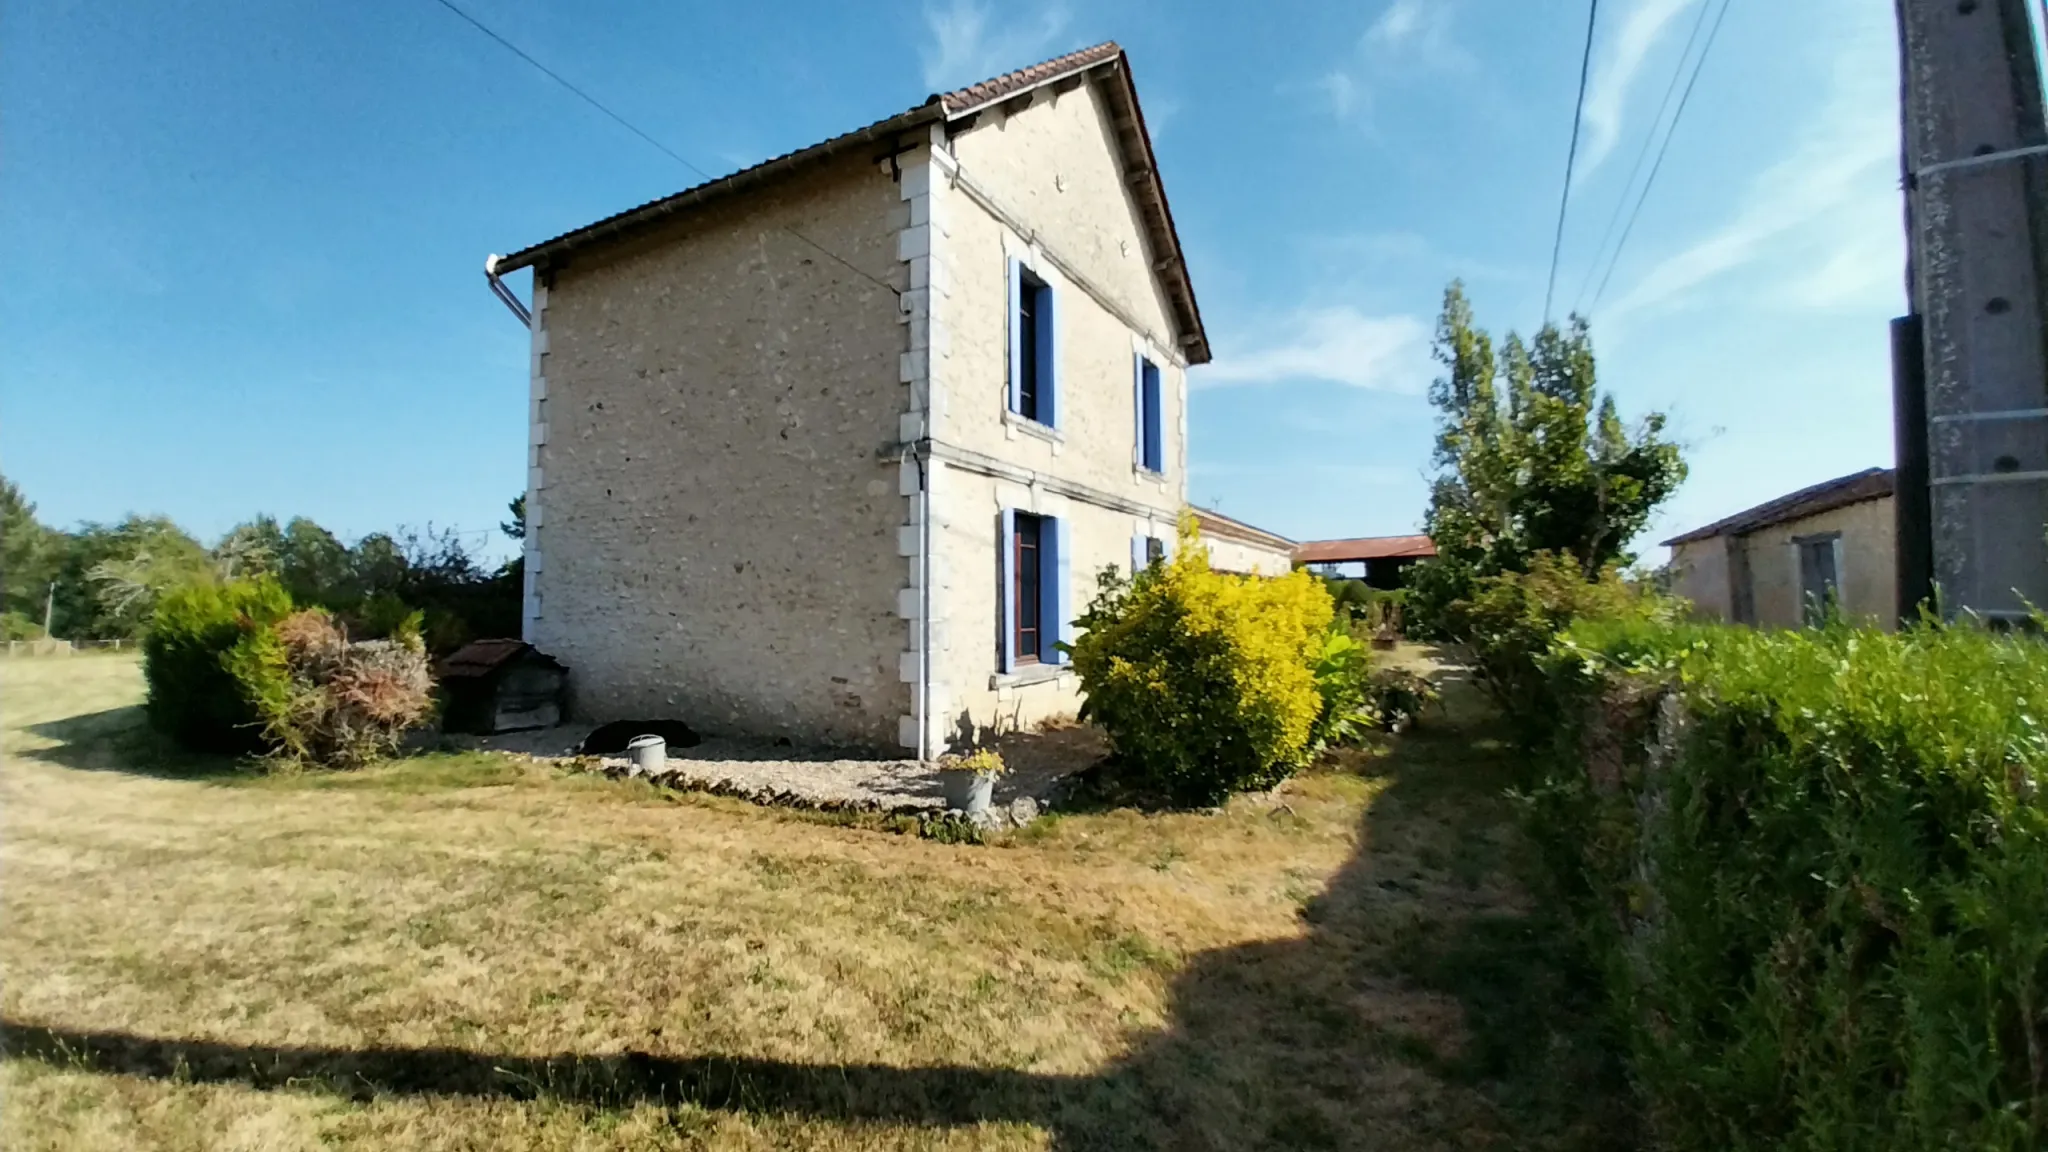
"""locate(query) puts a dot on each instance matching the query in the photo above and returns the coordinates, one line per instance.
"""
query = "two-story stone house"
(833, 447)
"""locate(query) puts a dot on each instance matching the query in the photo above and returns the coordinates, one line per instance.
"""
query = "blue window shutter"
(1006, 584)
(1138, 557)
(1137, 414)
(1155, 448)
(1015, 333)
(1048, 359)
(1054, 568)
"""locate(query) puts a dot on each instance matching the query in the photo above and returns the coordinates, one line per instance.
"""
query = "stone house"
(832, 448)
(1235, 546)
(1774, 565)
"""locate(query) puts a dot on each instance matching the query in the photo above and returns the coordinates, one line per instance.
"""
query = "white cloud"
(1341, 345)
(1402, 21)
(1417, 30)
(1617, 64)
(1407, 36)
(965, 47)
(1343, 93)
(1842, 171)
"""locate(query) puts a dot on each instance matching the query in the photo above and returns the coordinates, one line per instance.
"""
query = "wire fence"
(69, 647)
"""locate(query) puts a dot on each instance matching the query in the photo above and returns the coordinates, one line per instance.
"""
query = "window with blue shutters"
(1034, 348)
(1146, 404)
(1033, 568)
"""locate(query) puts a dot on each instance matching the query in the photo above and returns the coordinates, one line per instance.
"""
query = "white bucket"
(647, 754)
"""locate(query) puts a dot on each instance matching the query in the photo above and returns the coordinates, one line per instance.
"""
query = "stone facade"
(768, 488)
(712, 535)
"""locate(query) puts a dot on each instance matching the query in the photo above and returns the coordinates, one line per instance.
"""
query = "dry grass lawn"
(478, 952)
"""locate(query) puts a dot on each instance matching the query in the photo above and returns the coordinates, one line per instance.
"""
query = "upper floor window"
(1150, 447)
(1034, 348)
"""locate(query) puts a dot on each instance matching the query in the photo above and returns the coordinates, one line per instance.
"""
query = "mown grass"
(463, 951)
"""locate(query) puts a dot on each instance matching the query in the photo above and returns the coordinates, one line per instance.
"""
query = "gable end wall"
(715, 515)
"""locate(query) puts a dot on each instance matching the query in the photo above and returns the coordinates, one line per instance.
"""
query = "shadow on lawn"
(1426, 1007)
(121, 740)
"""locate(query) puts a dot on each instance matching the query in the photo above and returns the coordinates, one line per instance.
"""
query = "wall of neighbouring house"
(1045, 185)
(1700, 574)
(1869, 575)
(1234, 554)
(717, 527)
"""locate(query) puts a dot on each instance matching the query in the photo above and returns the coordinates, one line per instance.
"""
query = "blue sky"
(244, 242)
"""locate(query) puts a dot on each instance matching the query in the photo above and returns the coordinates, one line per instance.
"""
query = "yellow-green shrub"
(1203, 680)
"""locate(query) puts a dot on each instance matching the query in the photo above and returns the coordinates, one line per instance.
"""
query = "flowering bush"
(1203, 681)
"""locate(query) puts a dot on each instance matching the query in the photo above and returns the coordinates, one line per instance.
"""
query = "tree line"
(102, 581)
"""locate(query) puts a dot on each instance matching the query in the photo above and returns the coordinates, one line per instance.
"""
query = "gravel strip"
(767, 773)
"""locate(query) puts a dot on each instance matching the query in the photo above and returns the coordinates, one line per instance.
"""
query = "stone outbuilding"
(832, 448)
(1235, 546)
(1777, 564)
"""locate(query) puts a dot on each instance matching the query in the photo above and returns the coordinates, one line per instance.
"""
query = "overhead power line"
(1571, 156)
(1657, 167)
(1643, 154)
(629, 126)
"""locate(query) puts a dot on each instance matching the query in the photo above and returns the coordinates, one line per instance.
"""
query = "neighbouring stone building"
(832, 448)
(1235, 546)
(1774, 565)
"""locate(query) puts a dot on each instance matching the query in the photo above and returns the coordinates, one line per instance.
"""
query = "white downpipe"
(926, 468)
(504, 292)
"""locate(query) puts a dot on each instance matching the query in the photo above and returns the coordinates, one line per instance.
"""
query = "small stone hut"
(501, 686)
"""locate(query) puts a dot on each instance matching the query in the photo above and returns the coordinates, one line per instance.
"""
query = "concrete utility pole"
(49, 610)
(1973, 412)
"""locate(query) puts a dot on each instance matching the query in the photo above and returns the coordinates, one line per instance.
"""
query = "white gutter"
(504, 292)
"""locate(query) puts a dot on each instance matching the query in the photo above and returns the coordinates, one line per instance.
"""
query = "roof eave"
(632, 219)
(1136, 138)
(1194, 337)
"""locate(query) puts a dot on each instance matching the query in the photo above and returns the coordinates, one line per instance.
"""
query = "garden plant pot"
(967, 792)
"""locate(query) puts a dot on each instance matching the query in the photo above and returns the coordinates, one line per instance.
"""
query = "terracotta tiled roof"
(1842, 491)
(1214, 523)
(1128, 123)
(1365, 548)
(964, 100)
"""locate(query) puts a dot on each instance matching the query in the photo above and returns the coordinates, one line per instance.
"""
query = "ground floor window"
(1033, 566)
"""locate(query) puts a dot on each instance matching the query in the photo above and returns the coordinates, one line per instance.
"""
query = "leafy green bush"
(1343, 674)
(1203, 680)
(1814, 868)
(1397, 698)
(193, 697)
(1510, 621)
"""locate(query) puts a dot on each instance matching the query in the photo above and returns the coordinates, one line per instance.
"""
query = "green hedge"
(1813, 867)
(193, 697)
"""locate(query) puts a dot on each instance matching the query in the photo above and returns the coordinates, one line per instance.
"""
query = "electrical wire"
(1643, 153)
(1650, 183)
(629, 126)
(1571, 157)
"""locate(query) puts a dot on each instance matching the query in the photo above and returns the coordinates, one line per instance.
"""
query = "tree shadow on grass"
(1431, 1003)
(121, 740)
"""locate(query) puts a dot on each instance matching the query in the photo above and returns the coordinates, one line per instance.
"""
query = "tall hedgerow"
(1203, 680)
(193, 697)
(1814, 866)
